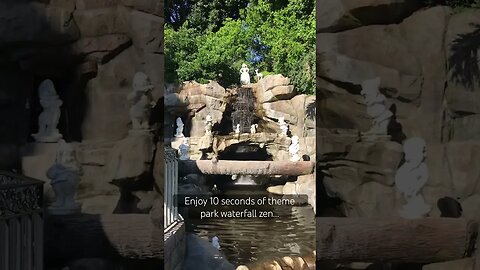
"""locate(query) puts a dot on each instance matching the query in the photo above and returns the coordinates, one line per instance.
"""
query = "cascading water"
(243, 110)
(245, 180)
(248, 240)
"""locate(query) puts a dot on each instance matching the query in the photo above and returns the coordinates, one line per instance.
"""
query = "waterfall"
(244, 110)
(245, 180)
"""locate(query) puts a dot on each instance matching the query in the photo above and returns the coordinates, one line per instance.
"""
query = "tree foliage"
(454, 3)
(285, 37)
(464, 64)
(202, 14)
(273, 36)
(202, 57)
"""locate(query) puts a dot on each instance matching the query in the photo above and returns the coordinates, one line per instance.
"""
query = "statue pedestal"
(176, 142)
(184, 158)
(296, 158)
(131, 156)
(53, 138)
(139, 133)
(54, 210)
(366, 137)
(414, 210)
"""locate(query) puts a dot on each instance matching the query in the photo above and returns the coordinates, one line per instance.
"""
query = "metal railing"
(21, 222)
(170, 208)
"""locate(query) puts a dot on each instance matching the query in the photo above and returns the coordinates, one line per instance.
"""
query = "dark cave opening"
(245, 151)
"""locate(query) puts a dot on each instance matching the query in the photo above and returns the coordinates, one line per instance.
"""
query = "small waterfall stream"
(243, 110)
(245, 180)
(291, 232)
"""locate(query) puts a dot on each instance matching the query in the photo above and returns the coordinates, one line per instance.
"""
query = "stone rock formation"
(417, 54)
(93, 52)
(336, 16)
(130, 157)
(198, 101)
(141, 102)
(277, 109)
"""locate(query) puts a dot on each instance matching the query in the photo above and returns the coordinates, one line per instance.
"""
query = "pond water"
(248, 240)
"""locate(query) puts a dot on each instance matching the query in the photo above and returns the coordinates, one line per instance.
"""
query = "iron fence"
(21, 222)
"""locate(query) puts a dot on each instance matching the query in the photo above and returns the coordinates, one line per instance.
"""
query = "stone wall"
(91, 50)
(275, 98)
(66, 40)
(421, 56)
(133, 33)
(414, 51)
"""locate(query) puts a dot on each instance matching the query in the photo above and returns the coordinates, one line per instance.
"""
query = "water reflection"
(248, 240)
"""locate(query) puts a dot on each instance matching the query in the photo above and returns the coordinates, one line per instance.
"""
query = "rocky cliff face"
(91, 50)
(416, 53)
(274, 98)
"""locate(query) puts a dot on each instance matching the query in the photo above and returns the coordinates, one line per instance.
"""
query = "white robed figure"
(244, 74)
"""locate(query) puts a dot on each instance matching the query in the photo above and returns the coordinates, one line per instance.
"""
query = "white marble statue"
(64, 175)
(179, 131)
(48, 119)
(411, 177)
(283, 126)
(376, 107)
(253, 128)
(294, 148)
(141, 101)
(244, 74)
(237, 129)
(208, 125)
(184, 149)
(259, 75)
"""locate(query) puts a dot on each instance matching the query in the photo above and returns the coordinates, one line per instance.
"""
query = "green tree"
(220, 55)
(180, 51)
(285, 37)
(203, 15)
(273, 36)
